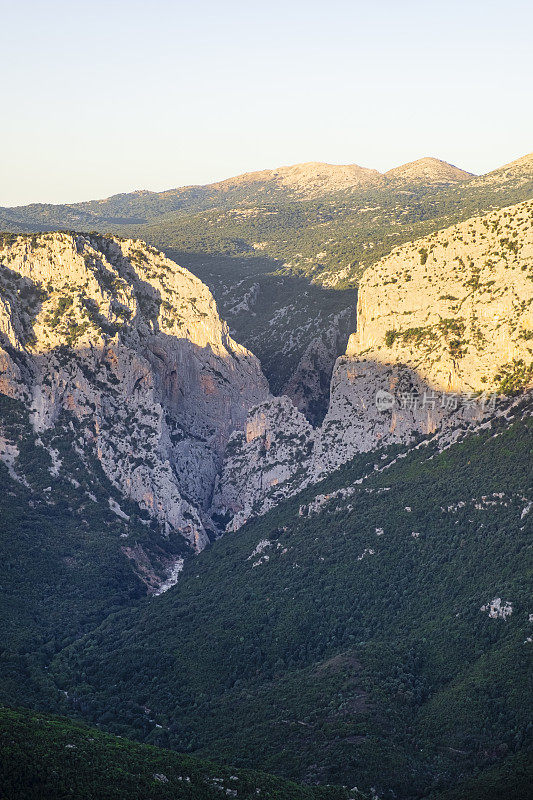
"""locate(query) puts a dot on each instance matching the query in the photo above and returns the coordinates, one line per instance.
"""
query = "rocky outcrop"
(270, 460)
(126, 351)
(444, 329)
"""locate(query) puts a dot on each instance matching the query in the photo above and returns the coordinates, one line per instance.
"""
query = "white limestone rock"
(131, 348)
(498, 609)
(267, 462)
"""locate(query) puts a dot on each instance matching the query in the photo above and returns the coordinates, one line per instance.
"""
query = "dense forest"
(345, 641)
(46, 757)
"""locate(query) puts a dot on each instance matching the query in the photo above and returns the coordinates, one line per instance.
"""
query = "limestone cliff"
(444, 324)
(125, 352)
(444, 334)
(308, 386)
(456, 305)
(270, 460)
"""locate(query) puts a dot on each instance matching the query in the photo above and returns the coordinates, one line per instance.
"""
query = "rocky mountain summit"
(122, 352)
(315, 178)
(429, 171)
(311, 179)
(444, 333)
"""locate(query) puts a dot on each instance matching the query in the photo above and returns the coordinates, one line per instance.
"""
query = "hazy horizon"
(109, 98)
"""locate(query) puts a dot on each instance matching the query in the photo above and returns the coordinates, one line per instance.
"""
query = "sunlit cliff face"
(455, 306)
(443, 329)
(131, 348)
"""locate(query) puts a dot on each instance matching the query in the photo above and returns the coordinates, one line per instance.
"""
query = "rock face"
(124, 351)
(455, 306)
(128, 349)
(443, 325)
(270, 460)
(444, 328)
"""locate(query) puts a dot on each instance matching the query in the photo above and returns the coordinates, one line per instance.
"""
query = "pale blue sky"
(110, 96)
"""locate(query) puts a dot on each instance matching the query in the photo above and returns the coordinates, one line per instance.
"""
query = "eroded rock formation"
(128, 348)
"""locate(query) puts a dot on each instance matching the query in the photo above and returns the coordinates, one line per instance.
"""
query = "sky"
(101, 97)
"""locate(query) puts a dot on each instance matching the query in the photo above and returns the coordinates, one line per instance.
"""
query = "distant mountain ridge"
(315, 178)
(306, 180)
(429, 170)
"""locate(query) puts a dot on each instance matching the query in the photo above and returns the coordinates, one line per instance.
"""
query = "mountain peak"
(310, 178)
(316, 178)
(429, 170)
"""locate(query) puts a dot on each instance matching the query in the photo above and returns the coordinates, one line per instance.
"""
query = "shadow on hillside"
(28, 295)
(205, 391)
(279, 316)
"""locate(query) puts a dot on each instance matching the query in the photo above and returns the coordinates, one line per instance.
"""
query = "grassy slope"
(321, 665)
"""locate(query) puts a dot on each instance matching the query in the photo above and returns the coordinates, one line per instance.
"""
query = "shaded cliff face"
(267, 462)
(124, 351)
(308, 387)
(444, 334)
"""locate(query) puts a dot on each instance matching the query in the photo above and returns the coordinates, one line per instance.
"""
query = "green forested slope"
(349, 655)
(357, 653)
(48, 758)
(52, 758)
(62, 569)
